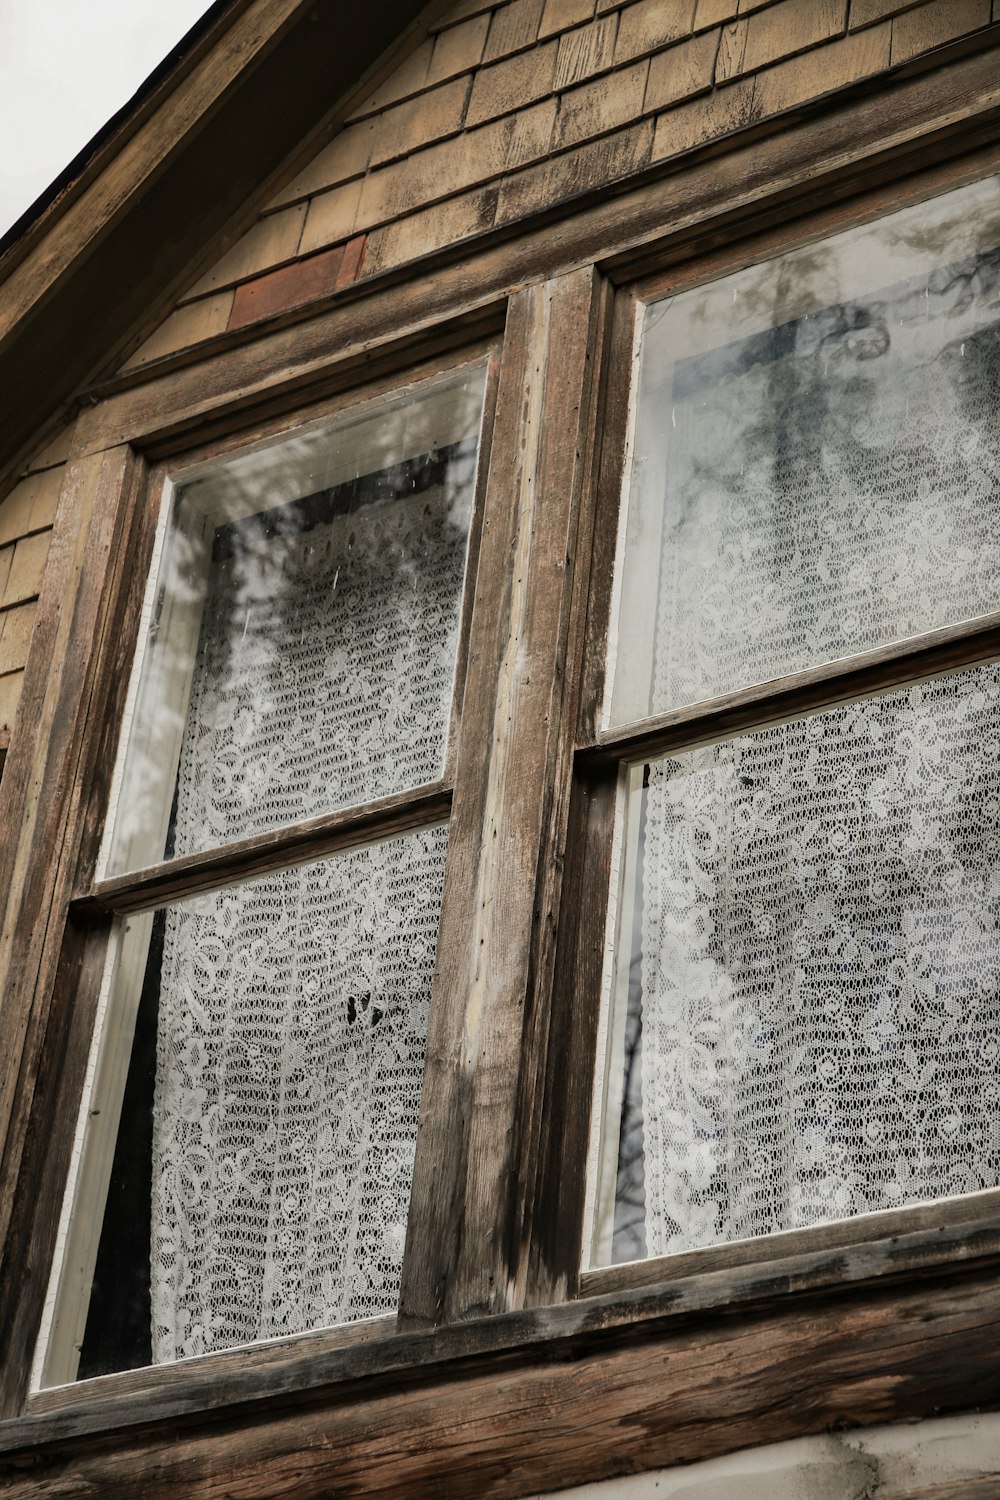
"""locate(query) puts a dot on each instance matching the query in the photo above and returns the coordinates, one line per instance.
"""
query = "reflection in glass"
(267, 1076)
(303, 627)
(816, 458)
(806, 998)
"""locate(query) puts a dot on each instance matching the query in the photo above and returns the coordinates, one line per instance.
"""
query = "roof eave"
(193, 151)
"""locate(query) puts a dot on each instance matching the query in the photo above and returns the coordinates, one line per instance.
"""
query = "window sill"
(687, 1368)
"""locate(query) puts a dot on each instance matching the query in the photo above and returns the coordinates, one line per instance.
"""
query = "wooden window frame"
(603, 753)
(96, 903)
(501, 623)
(96, 899)
(684, 1361)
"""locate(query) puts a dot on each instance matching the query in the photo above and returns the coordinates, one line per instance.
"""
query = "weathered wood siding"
(512, 106)
(506, 108)
(26, 516)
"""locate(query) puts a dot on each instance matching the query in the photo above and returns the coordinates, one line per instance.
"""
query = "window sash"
(133, 895)
(604, 753)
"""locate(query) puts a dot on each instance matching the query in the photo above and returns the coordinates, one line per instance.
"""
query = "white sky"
(66, 66)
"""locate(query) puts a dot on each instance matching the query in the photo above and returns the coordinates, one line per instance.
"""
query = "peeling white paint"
(891, 1463)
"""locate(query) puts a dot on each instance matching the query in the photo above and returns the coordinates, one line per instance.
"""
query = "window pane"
(806, 1017)
(261, 1177)
(301, 649)
(816, 465)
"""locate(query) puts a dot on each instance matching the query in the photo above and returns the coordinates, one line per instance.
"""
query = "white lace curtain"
(821, 900)
(293, 1008)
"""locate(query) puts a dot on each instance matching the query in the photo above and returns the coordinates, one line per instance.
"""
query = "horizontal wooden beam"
(921, 656)
(848, 146)
(544, 1398)
(331, 833)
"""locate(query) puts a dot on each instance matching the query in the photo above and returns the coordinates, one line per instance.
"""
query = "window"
(657, 1229)
(801, 1017)
(248, 1126)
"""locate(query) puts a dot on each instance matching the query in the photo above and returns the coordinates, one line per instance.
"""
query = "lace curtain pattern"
(293, 1009)
(324, 668)
(821, 951)
(820, 900)
(832, 485)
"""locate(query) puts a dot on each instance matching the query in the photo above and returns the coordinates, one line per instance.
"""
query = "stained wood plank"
(920, 656)
(299, 282)
(597, 1401)
(340, 1358)
(508, 820)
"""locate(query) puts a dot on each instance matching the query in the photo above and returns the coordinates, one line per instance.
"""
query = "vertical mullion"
(471, 1220)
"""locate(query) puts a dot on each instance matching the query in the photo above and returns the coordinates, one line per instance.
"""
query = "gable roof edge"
(191, 153)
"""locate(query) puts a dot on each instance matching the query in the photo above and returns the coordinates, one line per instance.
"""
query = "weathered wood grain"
(10, 693)
(678, 209)
(541, 1254)
(58, 1066)
(949, 1221)
(436, 1229)
(644, 1374)
(464, 1255)
(959, 1489)
(483, 459)
(31, 506)
(580, 1398)
(345, 1356)
(190, 325)
(617, 401)
(565, 1089)
(42, 806)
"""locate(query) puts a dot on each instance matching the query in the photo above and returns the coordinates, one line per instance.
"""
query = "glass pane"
(805, 1019)
(264, 1052)
(816, 464)
(303, 627)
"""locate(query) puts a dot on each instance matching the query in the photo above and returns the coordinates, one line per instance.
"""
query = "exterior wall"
(26, 516)
(507, 107)
(511, 106)
(798, 1469)
(939, 1460)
